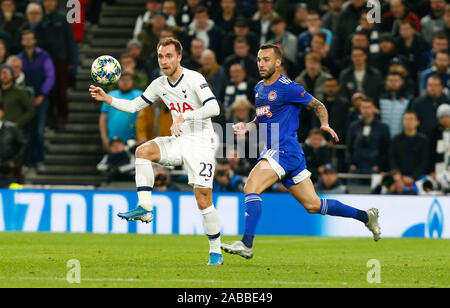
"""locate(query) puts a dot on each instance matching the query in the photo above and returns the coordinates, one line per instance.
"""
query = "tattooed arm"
(321, 111)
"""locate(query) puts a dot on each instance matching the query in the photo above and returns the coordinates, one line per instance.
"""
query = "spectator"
(410, 150)
(314, 27)
(204, 28)
(398, 65)
(447, 22)
(368, 142)
(354, 110)
(239, 86)
(242, 55)
(331, 17)
(118, 163)
(60, 45)
(152, 122)
(348, 21)
(3, 52)
(439, 44)
(193, 62)
(372, 32)
(317, 153)
(163, 180)
(433, 23)
(228, 15)
(19, 76)
(128, 63)
(240, 111)
(134, 49)
(11, 21)
(240, 166)
(12, 148)
(329, 182)
(261, 20)
(388, 51)
(241, 29)
(40, 74)
(393, 184)
(441, 69)
(17, 106)
(186, 15)
(169, 7)
(313, 77)
(394, 101)
(287, 39)
(300, 22)
(337, 107)
(440, 144)
(398, 13)
(78, 35)
(357, 40)
(35, 16)
(412, 46)
(426, 106)
(145, 19)
(225, 180)
(151, 34)
(360, 77)
(115, 123)
(213, 73)
(328, 62)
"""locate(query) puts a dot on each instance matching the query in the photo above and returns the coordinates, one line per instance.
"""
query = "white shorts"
(195, 153)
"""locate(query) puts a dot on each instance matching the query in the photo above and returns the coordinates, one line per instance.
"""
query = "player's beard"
(269, 73)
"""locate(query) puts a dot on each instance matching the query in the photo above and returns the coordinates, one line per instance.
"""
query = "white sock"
(211, 224)
(145, 180)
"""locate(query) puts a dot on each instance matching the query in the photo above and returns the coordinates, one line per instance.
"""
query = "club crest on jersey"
(272, 96)
(263, 110)
(180, 108)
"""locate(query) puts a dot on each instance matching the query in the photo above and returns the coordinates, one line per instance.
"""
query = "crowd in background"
(386, 85)
(38, 63)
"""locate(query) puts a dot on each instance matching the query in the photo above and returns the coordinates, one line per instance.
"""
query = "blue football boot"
(215, 259)
(138, 213)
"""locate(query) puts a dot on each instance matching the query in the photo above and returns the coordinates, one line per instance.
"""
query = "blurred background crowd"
(385, 84)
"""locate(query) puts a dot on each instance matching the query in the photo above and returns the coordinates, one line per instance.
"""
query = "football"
(105, 70)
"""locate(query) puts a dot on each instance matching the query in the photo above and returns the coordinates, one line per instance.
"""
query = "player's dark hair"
(440, 36)
(412, 112)
(360, 48)
(275, 49)
(322, 35)
(201, 9)
(171, 41)
(27, 31)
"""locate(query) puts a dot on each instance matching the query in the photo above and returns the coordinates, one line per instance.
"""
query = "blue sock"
(336, 208)
(252, 215)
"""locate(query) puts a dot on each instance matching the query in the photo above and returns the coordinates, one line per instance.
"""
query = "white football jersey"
(189, 93)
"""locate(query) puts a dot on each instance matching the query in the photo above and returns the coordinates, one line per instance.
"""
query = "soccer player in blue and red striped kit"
(278, 102)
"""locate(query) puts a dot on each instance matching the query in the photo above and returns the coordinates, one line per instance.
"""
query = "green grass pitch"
(40, 260)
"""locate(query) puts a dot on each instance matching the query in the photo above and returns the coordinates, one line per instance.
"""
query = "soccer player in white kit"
(192, 144)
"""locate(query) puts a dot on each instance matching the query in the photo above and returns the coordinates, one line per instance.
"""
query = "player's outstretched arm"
(321, 111)
(124, 105)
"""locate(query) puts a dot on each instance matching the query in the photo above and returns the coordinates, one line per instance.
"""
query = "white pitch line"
(254, 282)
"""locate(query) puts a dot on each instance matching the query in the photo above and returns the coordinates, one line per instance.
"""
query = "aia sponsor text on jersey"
(180, 108)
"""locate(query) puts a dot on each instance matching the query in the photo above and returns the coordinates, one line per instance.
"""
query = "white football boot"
(373, 224)
(238, 248)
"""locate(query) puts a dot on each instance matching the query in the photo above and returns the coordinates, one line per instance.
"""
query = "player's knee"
(146, 151)
(251, 188)
(312, 207)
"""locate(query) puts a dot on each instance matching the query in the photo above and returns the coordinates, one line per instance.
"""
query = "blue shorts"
(290, 168)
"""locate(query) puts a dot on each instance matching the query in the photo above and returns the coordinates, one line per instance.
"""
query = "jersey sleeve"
(202, 89)
(151, 94)
(297, 94)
